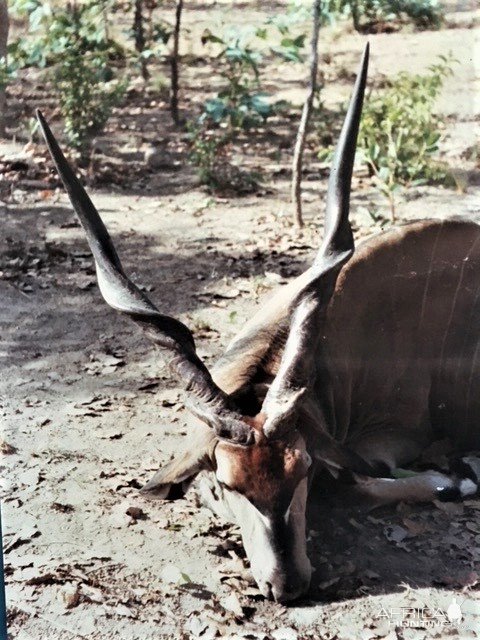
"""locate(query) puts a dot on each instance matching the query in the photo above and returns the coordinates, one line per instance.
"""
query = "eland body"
(358, 365)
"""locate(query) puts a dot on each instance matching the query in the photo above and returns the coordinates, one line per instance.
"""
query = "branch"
(4, 27)
(307, 110)
(174, 64)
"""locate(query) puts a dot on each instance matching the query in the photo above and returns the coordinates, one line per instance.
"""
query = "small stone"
(69, 595)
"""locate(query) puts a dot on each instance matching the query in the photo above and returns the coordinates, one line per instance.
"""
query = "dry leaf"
(62, 508)
(6, 448)
(395, 533)
(135, 512)
(414, 528)
(92, 593)
(232, 603)
(122, 610)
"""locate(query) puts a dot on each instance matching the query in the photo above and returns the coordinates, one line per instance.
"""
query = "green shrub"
(7, 72)
(425, 14)
(52, 28)
(241, 103)
(82, 76)
(73, 41)
(206, 150)
(399, 132)
(372, 15)
(86, 100)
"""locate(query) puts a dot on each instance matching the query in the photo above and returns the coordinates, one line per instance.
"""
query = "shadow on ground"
(358, 552)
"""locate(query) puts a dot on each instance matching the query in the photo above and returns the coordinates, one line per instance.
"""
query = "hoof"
(448, 494)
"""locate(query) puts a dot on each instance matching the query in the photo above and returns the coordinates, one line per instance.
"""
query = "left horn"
(210, 402)
(297, 366)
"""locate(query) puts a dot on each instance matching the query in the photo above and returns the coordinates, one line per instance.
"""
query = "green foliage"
(370, 14)
(241, 103)
(86, 101)
(205, 153)
(82, 76)
(7, 72)
(425, 14)
(52, 30)
(74, 41)
(399, 132)
(150, 36)
(291, 45)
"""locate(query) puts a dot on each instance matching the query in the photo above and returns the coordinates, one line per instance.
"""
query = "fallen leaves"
(104, 363)
(415, 528)
(452, 509)
(93, 406)
(92, 594)
(150, 385)
(77, 583)
(7, 449)
(28, 531)
(62, 508)
(121, 610)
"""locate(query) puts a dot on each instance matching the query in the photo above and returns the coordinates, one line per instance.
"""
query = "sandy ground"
(88, 416)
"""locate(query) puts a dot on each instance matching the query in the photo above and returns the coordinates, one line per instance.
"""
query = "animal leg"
(421, 487)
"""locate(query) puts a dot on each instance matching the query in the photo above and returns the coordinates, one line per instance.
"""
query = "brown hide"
(398, 355)
(266, 473)
(402, 333)
(254, 354)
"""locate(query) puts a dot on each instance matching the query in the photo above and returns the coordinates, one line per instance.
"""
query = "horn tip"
(42, 122)
(366, 55)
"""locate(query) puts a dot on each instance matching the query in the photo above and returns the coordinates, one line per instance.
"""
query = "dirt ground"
(88, 413)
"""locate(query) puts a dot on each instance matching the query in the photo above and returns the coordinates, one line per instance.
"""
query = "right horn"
(337, 232)
(207, 400)
(297, 367)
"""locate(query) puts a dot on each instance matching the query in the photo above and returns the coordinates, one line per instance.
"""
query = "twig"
(174, 63)
(306, 112)
(4, 27)
(139, 33)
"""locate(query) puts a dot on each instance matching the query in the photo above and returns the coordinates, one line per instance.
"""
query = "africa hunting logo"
(424, 616)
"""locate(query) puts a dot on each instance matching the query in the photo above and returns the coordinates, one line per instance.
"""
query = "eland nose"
(282, 590)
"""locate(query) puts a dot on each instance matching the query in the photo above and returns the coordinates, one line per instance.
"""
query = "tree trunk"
(4, 26)
(303, 127)
(355, 15)
(139, 34)
(174, 64)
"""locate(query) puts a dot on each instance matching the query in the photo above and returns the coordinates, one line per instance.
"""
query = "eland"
(356, 367)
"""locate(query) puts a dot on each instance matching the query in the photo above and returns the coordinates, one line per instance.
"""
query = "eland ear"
(172, 480)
